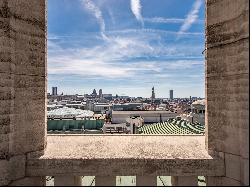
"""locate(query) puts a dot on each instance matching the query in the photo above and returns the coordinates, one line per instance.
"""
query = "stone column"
(105, 180)
(184, 181)
(146, 181)
(227, 87)
(68, 181)
(22, 85)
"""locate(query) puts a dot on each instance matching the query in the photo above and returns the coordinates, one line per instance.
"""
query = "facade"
(148, 116)
(107, 96)
(197, 114)
(127, 107)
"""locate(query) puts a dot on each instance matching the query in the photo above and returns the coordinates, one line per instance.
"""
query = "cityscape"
(126, 67)
(102, 113)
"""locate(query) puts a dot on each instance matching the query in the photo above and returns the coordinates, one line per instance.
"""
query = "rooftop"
(60, 112)
(142, 112)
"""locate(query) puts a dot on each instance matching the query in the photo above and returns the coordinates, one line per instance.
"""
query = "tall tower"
(171, 94)
(100, 93)
(94, 94)
(54, 90)
(153, 94)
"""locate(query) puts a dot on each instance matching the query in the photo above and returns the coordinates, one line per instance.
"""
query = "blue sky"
(126, 47)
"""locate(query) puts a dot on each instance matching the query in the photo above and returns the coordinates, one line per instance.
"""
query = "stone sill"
(125, 155)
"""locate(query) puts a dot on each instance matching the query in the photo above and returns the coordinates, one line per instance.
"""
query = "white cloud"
(92, 8)
(115, 58)
(168, 20)
(136, 9)
(191, 17)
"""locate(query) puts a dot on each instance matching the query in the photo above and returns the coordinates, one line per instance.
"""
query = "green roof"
(74, 124)
(172, 126)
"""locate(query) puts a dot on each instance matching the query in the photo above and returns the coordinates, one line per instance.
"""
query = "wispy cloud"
(168, 20)
(92, 8)
(130, 55)
(136, 9)
(191, 17)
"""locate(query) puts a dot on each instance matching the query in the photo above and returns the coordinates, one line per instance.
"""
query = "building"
(197, 114)
(148, 116)
(153, 95)
(54, 91)
(171, 94)
(94, 93)
(107, 96)
(127, 106)
(68, 113)
(100, 93)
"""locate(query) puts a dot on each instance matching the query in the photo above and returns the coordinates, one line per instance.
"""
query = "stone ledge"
(107, 155)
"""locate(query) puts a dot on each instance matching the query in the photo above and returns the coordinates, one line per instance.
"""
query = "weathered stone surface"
(29, 181)
(12, 168)
(125, 155)
(184, 181)
(68, 181)
(227, 21)
(244, 173)
(224, 10)
(22, 75)
(17, 167)
(244, 147)
(221, 181)
(105, 181)
(227, 86)
(146, 180)
(232, 63)
(232, 164)
(4, 179)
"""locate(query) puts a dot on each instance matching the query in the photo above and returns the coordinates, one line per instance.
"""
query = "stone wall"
(227, 87)
(22, 84)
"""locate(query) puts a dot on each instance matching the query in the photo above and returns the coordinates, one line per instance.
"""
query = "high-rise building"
(100, 93)
(94, 93)
(171, 94)
(153, 94)
(54, 90)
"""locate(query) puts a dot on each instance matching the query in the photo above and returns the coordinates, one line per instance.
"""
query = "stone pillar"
(227, 87)
(22, 85)
(105, 180)
(68, 181)
(184, 181)
(146, 181)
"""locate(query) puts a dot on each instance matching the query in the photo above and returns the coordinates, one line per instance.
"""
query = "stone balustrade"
(68, 157)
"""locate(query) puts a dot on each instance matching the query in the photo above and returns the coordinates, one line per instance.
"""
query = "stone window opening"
(27, 154)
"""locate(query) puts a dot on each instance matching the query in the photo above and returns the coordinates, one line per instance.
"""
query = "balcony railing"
(68, 157)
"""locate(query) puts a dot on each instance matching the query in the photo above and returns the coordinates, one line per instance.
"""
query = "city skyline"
(126, 47)
(114, 94)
